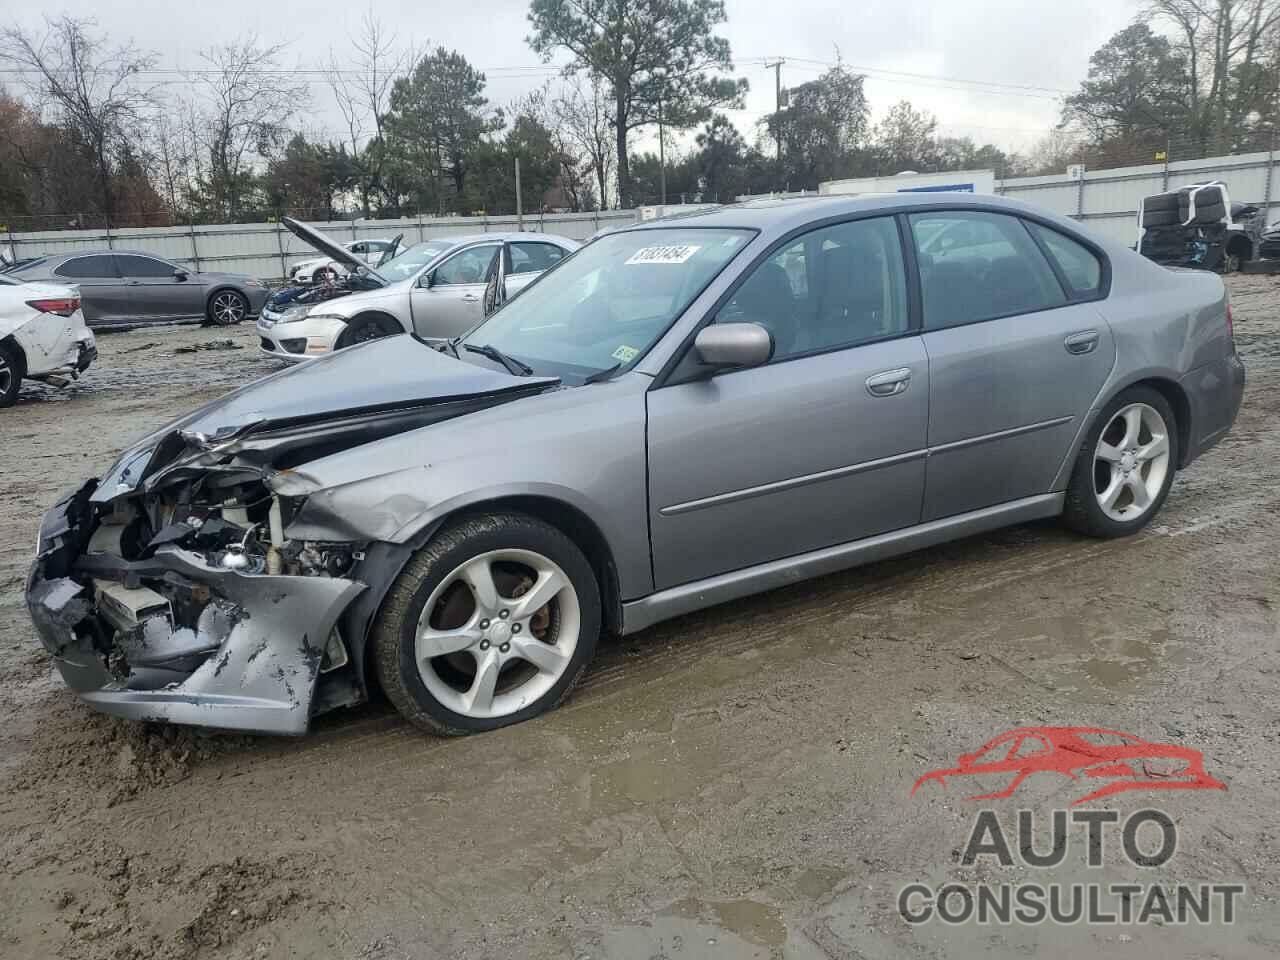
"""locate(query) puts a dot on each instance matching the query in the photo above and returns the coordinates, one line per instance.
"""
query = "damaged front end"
(173, 588)
(189, 605)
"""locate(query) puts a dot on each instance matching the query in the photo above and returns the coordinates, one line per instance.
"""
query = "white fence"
(1106, 201)
(266, 249)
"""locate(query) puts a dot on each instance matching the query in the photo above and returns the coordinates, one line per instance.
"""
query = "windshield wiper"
(488, 350)
(450, 345)
(604, 374)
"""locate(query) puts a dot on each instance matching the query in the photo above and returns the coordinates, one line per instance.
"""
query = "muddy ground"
(732, 784)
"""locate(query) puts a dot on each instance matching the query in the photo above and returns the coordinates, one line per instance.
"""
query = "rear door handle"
(470, 298)
(1086, 341)
(890, 383)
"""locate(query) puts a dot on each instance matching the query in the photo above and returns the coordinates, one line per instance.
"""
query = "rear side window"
(101, 265)
(1077, 262)
(978, 266)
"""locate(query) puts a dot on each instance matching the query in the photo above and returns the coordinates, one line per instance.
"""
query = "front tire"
(227, 308)
(372, 327)
(1125, 466)
(491, 623)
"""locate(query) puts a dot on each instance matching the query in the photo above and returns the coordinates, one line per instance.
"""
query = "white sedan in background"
(42, 336)
(320, 269)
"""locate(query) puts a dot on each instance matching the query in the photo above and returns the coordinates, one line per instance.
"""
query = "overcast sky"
(907, 48)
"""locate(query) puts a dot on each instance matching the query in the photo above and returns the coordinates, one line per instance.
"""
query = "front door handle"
(1086, 341)
(890, 383)
(470, 298)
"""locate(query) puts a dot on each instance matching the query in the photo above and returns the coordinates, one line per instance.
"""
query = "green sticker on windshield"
(624, 354)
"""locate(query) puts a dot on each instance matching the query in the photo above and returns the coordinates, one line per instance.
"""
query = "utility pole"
(776, 67)
(662, 155)
(519, 203)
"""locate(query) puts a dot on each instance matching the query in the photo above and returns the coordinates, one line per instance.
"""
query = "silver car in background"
(434, 289)
(682, 413)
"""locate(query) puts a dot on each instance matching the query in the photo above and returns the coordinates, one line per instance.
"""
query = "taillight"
(1231, 327)
(62, 306)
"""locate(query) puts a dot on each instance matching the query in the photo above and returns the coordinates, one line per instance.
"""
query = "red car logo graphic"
(1125, 761)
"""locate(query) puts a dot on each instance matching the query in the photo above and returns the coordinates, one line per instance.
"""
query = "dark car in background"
(125, 287)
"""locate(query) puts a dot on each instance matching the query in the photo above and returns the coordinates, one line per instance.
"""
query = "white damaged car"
(42, 336)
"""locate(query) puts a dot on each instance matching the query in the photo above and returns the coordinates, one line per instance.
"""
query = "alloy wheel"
(6, 375)
(1131, 462)
(228, 308)
(497, 633)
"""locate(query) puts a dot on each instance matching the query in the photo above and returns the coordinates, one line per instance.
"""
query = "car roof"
(782, 214)
(506, 235)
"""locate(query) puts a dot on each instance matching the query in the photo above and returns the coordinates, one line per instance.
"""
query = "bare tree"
(248, 102)
(363, 95)
(583, 112)
(94, 89)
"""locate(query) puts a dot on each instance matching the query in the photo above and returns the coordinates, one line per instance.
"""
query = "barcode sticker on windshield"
(672, 253)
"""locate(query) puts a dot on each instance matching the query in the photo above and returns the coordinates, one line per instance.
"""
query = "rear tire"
(12, 370)
(1160, 218)
(454, 617)
(1125, 466)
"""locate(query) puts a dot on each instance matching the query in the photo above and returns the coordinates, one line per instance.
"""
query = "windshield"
(608, 303)
(408, 263)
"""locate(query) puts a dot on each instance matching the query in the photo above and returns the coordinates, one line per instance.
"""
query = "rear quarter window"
(1078, 263)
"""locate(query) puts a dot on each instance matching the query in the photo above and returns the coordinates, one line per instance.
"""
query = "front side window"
(89, 268)
(978, 266)
(835, 287)
(609, 302)
(469, 266)
(527, 257)
(1078, 263)
(131, 266)
(408, 263)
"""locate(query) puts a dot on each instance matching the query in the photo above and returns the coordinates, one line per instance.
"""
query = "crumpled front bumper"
(260, 676)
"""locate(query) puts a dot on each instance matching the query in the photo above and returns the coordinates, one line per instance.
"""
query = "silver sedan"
(434, 289)
(684, 412)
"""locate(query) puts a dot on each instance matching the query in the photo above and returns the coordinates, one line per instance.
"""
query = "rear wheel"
(227, 308)
(490, 624)
(11, 372)
(1125, 467)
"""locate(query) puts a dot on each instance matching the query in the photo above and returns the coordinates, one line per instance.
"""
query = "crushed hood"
(395, 380)
(328, 246)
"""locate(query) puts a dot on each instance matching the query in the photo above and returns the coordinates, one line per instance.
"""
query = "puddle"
(1071, 654)
(699, 930)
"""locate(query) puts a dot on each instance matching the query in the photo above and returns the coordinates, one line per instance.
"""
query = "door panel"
(455, 301)
(155, 292)
(799, 455)
(1003, 376)
(103, 295)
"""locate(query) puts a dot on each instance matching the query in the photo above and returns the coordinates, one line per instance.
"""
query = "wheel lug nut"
(505, 648)
(484, 624)
(515, 628)
(503, 614)
(484, 644)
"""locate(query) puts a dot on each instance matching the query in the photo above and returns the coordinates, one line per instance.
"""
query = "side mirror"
(733, 345)
(428, 280)
(180, 274)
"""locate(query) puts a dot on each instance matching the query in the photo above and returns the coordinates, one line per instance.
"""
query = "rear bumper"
(250, 662)
(1215, 392)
